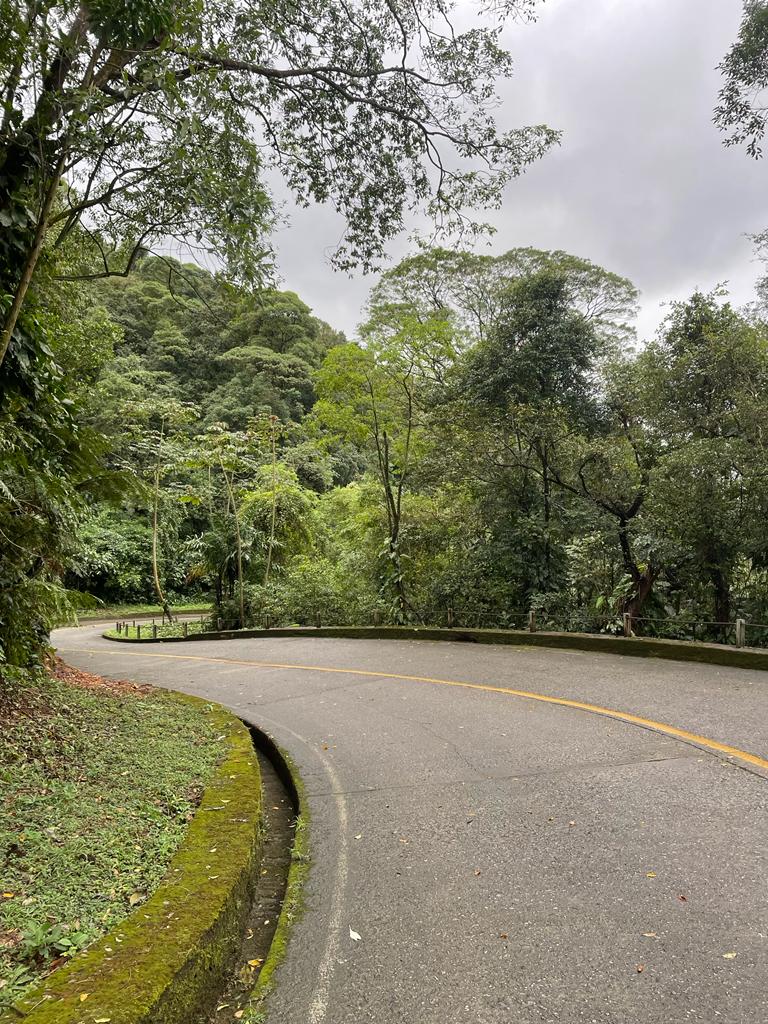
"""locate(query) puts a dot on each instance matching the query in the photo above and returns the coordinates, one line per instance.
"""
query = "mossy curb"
(636, 647)
(297, 874)
(167, 962)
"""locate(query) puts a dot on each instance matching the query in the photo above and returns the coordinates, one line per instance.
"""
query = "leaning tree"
(128, 124)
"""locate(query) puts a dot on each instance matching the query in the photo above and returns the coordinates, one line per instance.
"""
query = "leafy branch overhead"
(163, 118)
(742, 111)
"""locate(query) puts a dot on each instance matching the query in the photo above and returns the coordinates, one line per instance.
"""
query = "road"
(504, 859)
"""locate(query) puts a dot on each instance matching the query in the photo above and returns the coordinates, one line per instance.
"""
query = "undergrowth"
(98, 781)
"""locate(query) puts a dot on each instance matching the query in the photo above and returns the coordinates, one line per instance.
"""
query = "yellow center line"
(577, 705)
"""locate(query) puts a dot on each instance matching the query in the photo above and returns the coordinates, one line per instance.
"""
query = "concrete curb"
(636, 647)
(168, 961)
(297, 873)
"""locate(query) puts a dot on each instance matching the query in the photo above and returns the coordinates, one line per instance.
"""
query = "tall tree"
(374, 397)
(145, 121)
(472, 288)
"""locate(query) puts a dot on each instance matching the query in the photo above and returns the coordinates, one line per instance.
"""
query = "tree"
(704, 385)
(472, 289)
(742, 111)
(235, 456)
(146, 121)
(533, 377)
(373, 397)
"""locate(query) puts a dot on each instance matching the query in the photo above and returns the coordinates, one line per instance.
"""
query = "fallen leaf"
(83, 996)
(640, 968)
(503, 935)
(8, 895)
(254, 963)
(354, 935)
(134, 898)
(650, 874)
(683, 899)
(730, 956)
(477, 872)
(102, 1020)
(238, 1014)
(360, 836)
(650, 935)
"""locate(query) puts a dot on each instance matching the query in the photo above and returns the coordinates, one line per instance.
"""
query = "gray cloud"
(641, 183)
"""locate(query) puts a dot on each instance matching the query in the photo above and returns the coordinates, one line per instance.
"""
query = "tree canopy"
(742, 111)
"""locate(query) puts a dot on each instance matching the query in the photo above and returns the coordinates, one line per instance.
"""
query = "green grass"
(127, 611)
(98, 787)
(132, 633)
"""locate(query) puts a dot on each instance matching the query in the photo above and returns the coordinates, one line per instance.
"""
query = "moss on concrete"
(636, 647)
(293, 901)
(166, 963)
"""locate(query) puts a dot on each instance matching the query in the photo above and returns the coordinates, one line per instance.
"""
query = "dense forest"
(495, 442)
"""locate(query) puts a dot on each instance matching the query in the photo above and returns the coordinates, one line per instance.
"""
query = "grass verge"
(99, 781)
(145, 631)
(127, 611)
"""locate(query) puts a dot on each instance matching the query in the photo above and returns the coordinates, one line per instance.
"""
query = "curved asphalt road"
(502, 859)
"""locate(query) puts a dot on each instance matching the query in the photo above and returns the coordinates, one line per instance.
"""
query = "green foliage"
(741, 112)
(488, 447)
(49, 465)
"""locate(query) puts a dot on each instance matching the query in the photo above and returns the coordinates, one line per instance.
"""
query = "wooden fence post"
(138, 632)
(185, 629)
(532, 621)
(450, 618)
(627, 624)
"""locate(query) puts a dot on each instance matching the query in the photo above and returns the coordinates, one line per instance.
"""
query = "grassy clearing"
(144, 630)
(99, 781)
(127, 611)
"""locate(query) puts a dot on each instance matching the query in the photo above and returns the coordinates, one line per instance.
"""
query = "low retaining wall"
(637, 647)
(168, 961)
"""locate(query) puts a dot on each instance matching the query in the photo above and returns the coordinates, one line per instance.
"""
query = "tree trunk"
(274, 506)
(722, 599)
(238, 542)
(642, 580)
(547, 516)
(643, 587)
(162, 600)
(30, 263)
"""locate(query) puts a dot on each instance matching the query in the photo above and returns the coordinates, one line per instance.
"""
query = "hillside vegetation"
(496, 442)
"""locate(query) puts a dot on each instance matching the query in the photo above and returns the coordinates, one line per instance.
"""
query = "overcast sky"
(641, 183)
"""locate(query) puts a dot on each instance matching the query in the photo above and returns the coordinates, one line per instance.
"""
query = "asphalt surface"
(503, 859)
